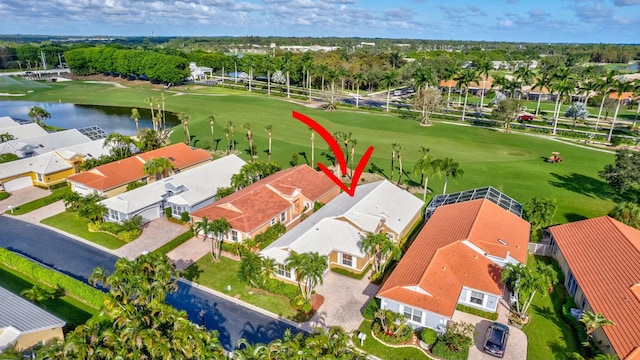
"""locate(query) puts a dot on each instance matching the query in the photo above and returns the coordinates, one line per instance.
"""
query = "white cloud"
(506, 24)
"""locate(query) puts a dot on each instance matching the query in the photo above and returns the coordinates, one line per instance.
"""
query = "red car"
(525, 117)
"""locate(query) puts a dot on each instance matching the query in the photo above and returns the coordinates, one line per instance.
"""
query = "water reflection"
(69, 116)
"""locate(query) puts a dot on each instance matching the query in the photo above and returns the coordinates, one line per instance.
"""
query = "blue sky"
(590, 21)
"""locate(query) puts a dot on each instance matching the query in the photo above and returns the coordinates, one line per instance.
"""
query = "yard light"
(362, 336)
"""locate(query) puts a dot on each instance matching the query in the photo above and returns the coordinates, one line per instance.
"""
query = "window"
(413, 314)
(476, 298)
(347, 260)
(114, 215)
(283, 217)
(177, 210)
(234, 235)
(283, 271)
(273, 221)
(39, 177)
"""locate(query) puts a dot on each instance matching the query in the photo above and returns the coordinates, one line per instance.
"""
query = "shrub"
(478, 312)
(129, 235)
(370, 310)
(443, 351)
(134, 223)
(276, 286)
(167, 212)
(376, 278)
(179, 240)
(134, 185)
(4, 195)
(184, 216)
(401, 335)
(429, 336)
(351, 274)
(616, 140)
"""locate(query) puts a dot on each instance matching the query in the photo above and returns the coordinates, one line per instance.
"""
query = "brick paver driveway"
(22, 196)
(154, 234)
(344, 300)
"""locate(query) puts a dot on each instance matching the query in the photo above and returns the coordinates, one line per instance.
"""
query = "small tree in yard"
(593, 321)
(427, 101)
(459, 335)
(506, 111)
(577, 110)
(539, 212)
(526, 281)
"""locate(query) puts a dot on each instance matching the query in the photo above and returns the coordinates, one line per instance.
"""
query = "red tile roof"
(441, 263)
(488, 84)
(604, 257)
(122, 172)
(625, 96)
(253, 206)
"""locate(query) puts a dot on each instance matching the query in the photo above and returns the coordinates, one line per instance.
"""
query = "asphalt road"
(78, 260)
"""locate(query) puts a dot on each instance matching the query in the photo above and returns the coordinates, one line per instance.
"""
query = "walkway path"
(154, 234)
(190, 252)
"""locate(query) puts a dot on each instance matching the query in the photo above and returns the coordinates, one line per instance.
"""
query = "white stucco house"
(186, 191)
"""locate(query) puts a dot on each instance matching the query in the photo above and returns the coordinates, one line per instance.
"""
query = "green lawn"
(71, 311)
(73, 224)
(56, 195)
(548, 335)
(513, 163)
(220, 275)
(376, 348)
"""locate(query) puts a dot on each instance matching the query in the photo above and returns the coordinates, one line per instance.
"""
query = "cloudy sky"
(590, 21)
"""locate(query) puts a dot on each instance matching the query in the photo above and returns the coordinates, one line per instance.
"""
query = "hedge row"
(351, 274)
(478, 312)
(179, 240)
(72, 287)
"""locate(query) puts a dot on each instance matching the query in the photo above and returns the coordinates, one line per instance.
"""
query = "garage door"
(16, 184)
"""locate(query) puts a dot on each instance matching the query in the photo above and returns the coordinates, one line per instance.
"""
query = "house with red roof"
(600, 259)
(457, 258)
(282, 197)
(112, 179)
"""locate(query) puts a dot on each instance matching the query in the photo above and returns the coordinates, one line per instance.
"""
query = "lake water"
(70, 116)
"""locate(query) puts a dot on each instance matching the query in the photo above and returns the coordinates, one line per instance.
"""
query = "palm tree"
(394, 146)
(313, 150)
(153, 118)
(157, 167)
(220, 227)
(524, 74)
(422, 76)
(450, 73)
(372, 245)
(543, 81)
(427, 165)
(628, 213)
(38, 115)
(525, 281)
(4, 137)
(310, 268)
(119, 145)
(135, 115)
(287, 65)
(388, 80)
(563, 85)
(593, 321)
(229, 129)
(399, 154)
(184, 119)
(484, 68)
(449, 168)
(620, 86)
(269, 127)
(352, 143)
(37, 294)
(203, 227)
(212, 123)
(539, 212)
(464, 79)
(358, 78)
(247, 127)
(603, 86)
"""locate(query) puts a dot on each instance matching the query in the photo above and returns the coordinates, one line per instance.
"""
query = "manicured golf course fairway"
(513, 163)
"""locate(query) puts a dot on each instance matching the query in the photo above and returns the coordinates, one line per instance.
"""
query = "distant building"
(312, 48)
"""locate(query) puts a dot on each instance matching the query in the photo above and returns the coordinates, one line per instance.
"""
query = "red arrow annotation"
(337, 150)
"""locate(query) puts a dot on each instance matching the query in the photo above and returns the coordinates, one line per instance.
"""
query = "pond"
(70, 116)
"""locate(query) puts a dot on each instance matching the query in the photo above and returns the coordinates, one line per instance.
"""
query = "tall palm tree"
(372, 245)
(150, 100)
(603, 86)
(593, 321)
(39, 115)
(135, 115)
(309, 268)
(230, 129)
(203, 227)
(120, 146)
(399, 155)
(388, 80)
(219, 227)
(323, 71)
(527, 281)
(313, 149)
(543, 81)
(620, 86)
(342, 74)
(287, 65)
(450, 73)
(247, 127)
(352, 143)
(212, 123)
(427, 165)
(269, 127)
(422, 76)
(563, 85)
(394, 146)
(358, 78)
(157, 167)
(464, 79)
(451, 169)
(184, 120)
(484, 68)
(524, 75)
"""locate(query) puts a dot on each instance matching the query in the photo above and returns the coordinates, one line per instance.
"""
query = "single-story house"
(337, 229)
(112, 179)
(281, 197)
(24, 325)
(625, 99)
(457, 258)
(476, 88)
(187, 191)
(600, 260)
(50, 168)
(25, 131)
(39, 145)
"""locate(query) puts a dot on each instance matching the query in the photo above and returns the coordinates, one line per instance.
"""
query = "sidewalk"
(154, 234)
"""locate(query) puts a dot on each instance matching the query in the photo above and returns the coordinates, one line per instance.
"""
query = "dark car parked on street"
(495, 342)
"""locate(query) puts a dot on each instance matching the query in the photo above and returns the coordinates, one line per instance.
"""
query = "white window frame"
(234, 236)
(410, 313)
(477, 295)
(114, 215)
(273, 221)
(350, 260)
(283, 217)
(282, 270)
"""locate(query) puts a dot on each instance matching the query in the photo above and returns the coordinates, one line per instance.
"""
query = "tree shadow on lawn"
(265, 333)
(585, 185)
(559, 346)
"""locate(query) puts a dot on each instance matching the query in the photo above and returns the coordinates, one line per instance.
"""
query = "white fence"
(541, 249)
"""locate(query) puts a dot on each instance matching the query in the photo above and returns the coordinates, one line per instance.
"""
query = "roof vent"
(635, 289)
(171, 158)
(502, 242)
(444, 268)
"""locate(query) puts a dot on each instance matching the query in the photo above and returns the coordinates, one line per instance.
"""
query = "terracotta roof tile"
(263, 200)
(441, 263)
(122, 172)
(625, 95)
(603, 255)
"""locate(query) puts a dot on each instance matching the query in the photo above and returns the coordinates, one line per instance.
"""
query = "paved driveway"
(78, 260)
(344, 300)
(516, 345)
(190, 252)
(154, 234)
(22, 196)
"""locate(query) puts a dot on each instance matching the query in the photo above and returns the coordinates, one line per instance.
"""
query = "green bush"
(134, 185)
(177, 241)
(428, 336)
(72, 287)
(129, 235)
(167, 212)
(443, 351)
(184, 216)
(4, 195)
(400, 336)
(478, 312)
(228, 247)
(376, 278)
(276, 286)
(351, 274)
(133, 223)
(110, 227)
(616, 140)
(370, 310)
